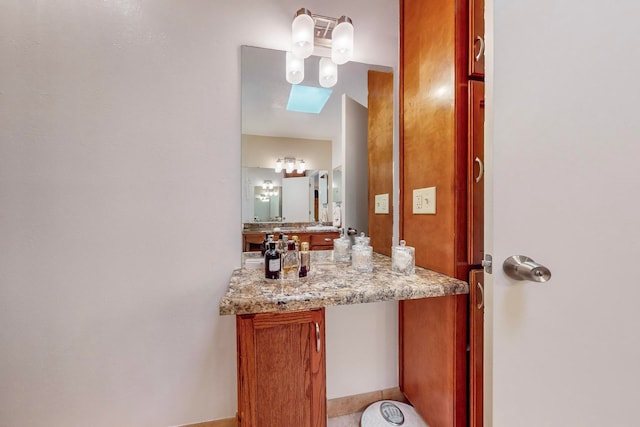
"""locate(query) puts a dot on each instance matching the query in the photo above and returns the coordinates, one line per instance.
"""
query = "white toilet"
(386, 413)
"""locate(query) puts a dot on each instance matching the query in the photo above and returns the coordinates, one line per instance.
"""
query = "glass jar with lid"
(341, 248)
(403, 258)
(362, 258)
(362, 239)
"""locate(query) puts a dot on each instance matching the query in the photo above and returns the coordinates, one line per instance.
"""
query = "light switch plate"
(424, 200)
(382, 204)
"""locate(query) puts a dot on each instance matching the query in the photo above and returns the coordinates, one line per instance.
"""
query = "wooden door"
(476, 175)
(281, 369)
(476, 38)
(476, 347)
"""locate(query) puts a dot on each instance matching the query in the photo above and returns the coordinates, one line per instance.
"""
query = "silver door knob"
(520, 267)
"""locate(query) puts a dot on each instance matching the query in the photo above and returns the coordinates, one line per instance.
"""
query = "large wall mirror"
(272, 132)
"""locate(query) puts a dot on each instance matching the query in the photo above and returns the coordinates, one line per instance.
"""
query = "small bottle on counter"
(272, 262)
(265, 243)
(290, 262)
(305, 260)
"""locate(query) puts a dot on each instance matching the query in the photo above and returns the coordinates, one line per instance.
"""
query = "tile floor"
(350, 420)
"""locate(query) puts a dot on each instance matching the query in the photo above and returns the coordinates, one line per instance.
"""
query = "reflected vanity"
(299, 201)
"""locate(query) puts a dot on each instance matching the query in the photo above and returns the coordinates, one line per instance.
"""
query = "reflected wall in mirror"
(337, 184)
(270, 132)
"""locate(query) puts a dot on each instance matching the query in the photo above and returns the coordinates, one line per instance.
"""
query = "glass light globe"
(328, 73)
(302, 34)
(294, 69)
(342, 41)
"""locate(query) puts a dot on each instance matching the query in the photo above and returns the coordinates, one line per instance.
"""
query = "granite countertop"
(292, 230)
(332, 283)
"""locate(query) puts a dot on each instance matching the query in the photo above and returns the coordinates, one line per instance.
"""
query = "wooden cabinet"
(252, 241)
(476, 38)
(321, 241)
(476, 175)
(476, 347)
(433, 354)
(281, 369)
(433, 131)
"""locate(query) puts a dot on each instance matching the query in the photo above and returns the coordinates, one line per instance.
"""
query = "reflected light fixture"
(289, 164)
(309, 30)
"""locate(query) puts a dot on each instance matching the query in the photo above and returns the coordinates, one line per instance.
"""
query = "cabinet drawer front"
(323, 239)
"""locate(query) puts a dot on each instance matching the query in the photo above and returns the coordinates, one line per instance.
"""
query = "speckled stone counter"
(332, 283)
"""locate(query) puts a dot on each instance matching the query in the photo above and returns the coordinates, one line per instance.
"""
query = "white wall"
(263, 151)
(563, 133)
(120, 203)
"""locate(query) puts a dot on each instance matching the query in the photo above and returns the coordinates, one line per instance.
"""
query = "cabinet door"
(476, 176)
(476, 344)
(476, 38)
(433, 358)
(281, 369)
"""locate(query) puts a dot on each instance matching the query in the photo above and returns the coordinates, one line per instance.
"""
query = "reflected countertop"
(258, 228)
(331, 283)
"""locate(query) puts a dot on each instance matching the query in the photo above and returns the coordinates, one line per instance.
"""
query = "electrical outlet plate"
(424, 201)
(382, 204)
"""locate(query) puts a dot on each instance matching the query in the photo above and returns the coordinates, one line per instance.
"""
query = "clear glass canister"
(341, 248)
(362, 240)
(362, 258)
(403, 258)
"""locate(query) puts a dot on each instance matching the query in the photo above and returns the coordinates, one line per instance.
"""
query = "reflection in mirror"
(271, 132)
(337, 184)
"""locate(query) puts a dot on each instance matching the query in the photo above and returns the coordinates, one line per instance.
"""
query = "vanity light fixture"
(294, 69)
(342, 46)
(289, 164)
(302, 34)
(267, 185)
(309, 30)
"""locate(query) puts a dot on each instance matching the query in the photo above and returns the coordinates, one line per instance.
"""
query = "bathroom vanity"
(319, 238)
(281, 336)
